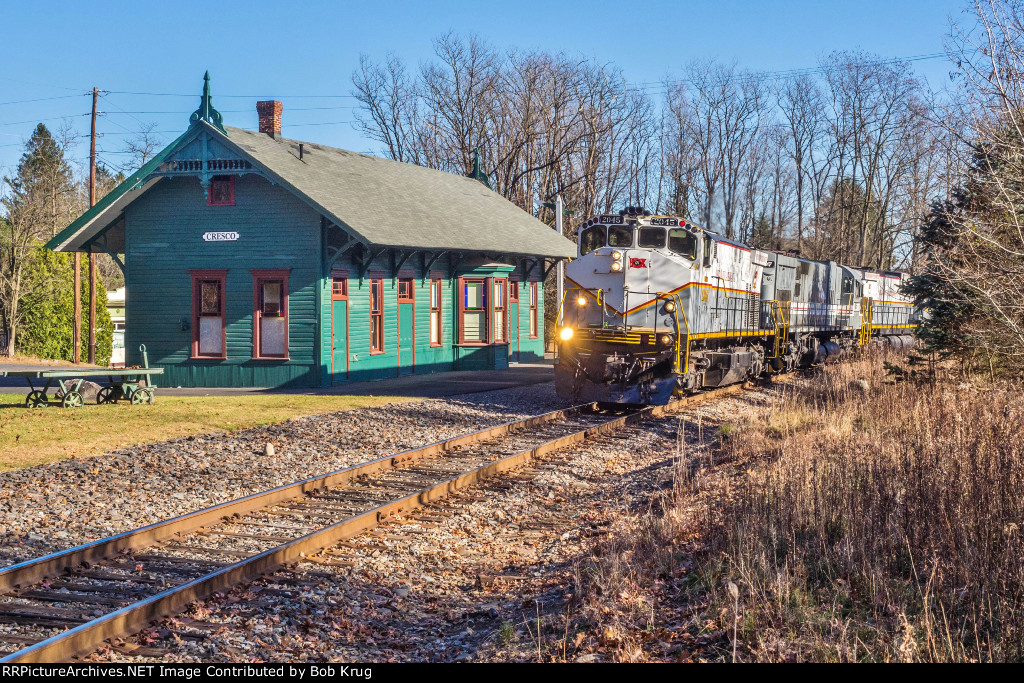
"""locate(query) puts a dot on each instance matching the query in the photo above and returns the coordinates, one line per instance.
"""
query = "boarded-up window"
(208, 320)
(221, 191)
(270, 314)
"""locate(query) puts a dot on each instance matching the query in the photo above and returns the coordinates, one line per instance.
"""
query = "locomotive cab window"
(591, 239)
(684, 243)
(847, 291)
(651, 238)
(619, 236)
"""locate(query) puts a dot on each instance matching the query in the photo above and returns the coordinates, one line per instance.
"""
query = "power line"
(176, 94)
(240, 111)
(51, 118)
(41, 99)
(784, 73)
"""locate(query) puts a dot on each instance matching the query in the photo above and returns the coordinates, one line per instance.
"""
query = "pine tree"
(36, 286)
(972, 282)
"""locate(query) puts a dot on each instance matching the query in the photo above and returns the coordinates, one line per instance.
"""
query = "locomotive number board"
(664, 222)
(611, 220)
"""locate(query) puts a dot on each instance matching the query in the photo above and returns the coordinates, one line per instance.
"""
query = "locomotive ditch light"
(616, 266)
(565, 334)
(670, 307)
(581, 301)
(665, 339)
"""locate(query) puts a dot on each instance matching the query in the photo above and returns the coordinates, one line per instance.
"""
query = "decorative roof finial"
(206, 112)
(478, 173)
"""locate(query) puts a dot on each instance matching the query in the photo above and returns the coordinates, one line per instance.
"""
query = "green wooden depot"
(252, 260)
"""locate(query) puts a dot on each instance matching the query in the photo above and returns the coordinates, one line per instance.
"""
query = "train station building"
(252, 260)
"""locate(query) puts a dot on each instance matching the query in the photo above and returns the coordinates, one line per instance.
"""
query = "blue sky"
(55, 51)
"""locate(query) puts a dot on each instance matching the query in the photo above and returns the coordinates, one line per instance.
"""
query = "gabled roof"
(381, 202)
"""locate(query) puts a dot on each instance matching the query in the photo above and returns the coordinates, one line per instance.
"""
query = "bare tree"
(141, 148)
(799, 102)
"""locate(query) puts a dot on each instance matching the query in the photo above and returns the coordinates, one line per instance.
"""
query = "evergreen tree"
(972, 282)
(763, 235)
(36, 286)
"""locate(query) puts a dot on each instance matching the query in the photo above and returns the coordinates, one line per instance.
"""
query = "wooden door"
(513, 321)
(406, 327)
(339, 330)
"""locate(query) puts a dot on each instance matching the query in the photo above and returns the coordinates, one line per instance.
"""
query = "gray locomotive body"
(655, 306)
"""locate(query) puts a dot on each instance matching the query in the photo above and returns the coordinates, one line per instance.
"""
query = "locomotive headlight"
(565, 334)
(665, 339)
(617, 255)
(670, 307)
(581, 301)
(616, 266)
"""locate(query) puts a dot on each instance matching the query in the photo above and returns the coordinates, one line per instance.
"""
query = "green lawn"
(30, 437)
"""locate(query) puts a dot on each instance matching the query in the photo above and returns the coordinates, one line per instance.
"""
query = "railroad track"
(68, 603)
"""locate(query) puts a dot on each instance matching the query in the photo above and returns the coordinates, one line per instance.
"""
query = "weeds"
(896, 539)
(858, 518)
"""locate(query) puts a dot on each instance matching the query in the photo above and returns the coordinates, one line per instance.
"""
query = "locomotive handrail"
(679, 308)
(780, 325)
(559, 320)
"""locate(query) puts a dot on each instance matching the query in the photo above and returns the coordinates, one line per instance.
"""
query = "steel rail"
(138, 615)
(55, 564)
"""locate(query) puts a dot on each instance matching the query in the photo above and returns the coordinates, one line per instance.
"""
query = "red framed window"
(435, 313)
(533, 310)
(376, 315)
(208, 317)
(405, 291)
(221, 191)
(270, 314)
(339, 289)
(473, 311)
(499, 320)
(513, 290)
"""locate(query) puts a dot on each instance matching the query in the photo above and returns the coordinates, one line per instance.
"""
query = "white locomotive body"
(655, 306)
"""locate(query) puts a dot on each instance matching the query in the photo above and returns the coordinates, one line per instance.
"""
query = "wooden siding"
(164, 235)
(278, 231)
(363, 365)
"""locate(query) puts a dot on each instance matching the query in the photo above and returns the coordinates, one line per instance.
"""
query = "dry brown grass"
(889, 530)
(860, 519)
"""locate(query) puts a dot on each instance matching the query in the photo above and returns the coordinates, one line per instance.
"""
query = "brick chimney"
(270, 117)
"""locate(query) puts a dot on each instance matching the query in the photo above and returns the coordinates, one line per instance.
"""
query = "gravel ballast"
(59, 505)
(485, 576)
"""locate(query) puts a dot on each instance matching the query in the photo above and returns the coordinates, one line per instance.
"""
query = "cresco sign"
(220, 236)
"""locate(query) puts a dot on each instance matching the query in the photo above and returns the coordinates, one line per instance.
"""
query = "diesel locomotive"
(656, 306)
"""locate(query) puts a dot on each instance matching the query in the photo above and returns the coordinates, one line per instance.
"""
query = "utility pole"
(77, 332)
(92, 256)
(559, 210)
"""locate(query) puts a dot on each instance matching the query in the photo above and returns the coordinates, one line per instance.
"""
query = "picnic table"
(134, 385)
